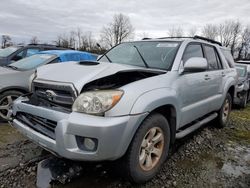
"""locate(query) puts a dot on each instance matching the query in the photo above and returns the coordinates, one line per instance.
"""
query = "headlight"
(32, 77)
(97, 102)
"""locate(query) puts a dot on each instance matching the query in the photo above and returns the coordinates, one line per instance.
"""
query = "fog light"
(89, 144)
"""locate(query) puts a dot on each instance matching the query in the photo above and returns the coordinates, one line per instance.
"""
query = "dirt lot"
(208, 158)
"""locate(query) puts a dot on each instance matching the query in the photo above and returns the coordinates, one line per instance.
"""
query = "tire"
(223, 116)
(140, 172)
(243, 103)
(6, 100)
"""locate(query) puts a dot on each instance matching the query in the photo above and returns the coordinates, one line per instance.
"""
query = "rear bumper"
(113, 134)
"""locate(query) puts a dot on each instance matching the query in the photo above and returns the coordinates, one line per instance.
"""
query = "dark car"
(15, 53)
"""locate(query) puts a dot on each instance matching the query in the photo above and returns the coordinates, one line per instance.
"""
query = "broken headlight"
(97, 102)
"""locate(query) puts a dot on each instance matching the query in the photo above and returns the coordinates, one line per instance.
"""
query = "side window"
(57, 60)
(211, 58)
(18, 56)
(32, 51)
(218, 60)
(192, 50)
(229, 58)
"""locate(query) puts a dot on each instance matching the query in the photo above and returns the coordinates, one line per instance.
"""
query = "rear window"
(229, 58)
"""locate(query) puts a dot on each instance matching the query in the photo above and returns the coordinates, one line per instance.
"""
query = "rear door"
(214, 76)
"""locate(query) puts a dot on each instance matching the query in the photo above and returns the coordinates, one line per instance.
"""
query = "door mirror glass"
(195, 64)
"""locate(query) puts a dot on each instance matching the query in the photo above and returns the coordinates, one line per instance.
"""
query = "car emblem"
(50, 94)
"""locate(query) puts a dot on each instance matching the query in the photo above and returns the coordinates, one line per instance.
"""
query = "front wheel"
(224, 113)
(148, 149)
(6, 100)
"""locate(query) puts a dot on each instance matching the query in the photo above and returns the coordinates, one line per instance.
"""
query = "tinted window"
(211, 58)
(156, 54)
(193, 50)
(32, 51)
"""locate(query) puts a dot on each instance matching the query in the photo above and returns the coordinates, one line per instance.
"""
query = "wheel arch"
(14, 88)
(169, 112)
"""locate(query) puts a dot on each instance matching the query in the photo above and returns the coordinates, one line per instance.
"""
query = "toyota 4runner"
(132, 104)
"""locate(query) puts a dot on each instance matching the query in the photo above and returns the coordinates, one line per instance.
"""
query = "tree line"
(231, 33)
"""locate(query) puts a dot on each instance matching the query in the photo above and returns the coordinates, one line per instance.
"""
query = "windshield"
(7, 51)
(241, 70)
(150, 54)
(33, 62)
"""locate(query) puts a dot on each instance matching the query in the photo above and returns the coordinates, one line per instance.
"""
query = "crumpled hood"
(80, 74)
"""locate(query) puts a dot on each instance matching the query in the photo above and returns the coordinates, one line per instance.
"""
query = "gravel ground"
(209, 157)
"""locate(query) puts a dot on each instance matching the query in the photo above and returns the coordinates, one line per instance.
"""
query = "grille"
(54, 95)
(39, 124)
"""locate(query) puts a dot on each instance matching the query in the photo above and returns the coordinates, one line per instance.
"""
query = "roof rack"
(195, 37)
(44, 45)
(207, 39)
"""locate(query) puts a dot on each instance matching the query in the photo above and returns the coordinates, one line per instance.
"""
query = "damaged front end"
(120, 79)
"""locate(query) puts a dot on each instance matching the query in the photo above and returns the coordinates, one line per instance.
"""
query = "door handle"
(223, 74)
(207, 77)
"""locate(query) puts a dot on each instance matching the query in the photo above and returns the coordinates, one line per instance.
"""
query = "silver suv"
(131, 104)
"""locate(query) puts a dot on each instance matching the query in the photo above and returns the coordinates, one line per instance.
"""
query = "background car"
(15, 53)
(242, 88)
(247, 63)
(14, 78)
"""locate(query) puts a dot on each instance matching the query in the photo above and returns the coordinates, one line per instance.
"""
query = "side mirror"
(195, 64)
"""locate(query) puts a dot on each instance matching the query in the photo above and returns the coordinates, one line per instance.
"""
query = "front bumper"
(113, 134)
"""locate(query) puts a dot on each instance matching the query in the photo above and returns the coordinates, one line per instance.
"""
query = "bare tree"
(175, 31)
(244, 45)
(6, 41)
(79, 37)
(88, 42)
(210, 31)
(34, 40)
(72, 39)
(120, 29)
(192, 31)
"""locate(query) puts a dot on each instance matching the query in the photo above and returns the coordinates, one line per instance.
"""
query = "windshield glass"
(151, 54)
(33, 62)
(7, 51)
(241, 70)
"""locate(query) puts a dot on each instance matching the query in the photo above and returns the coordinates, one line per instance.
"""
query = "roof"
(71, 55)
(195, 38)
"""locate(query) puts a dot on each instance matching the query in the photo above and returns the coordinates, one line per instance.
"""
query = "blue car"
(15, 78)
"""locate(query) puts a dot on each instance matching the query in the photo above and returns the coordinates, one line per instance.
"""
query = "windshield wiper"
(145, 63)
(12, 67)
(107, 58)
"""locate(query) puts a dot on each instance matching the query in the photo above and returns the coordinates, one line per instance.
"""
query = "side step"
(195, 126)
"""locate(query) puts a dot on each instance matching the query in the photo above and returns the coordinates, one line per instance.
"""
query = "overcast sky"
(22, 19)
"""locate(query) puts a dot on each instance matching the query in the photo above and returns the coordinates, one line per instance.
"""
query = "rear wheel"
(148, 149)
(6, 101)
(224, 113)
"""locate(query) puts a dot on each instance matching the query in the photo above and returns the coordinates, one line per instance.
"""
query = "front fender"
(153, 99)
